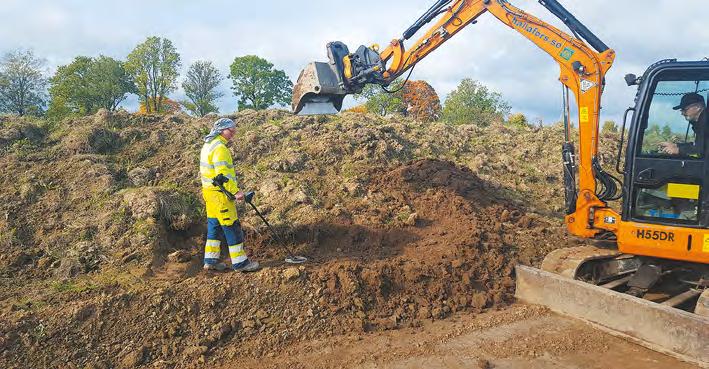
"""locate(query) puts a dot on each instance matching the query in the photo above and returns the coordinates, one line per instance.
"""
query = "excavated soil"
(454, 250)
(111, 276)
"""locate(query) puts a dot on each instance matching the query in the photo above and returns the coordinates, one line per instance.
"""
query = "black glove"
(249, 197)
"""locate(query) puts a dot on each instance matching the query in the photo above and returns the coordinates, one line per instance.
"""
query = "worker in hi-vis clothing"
(215, 159)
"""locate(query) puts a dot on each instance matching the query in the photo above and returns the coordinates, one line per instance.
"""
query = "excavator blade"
(318, 90)
(659, 327)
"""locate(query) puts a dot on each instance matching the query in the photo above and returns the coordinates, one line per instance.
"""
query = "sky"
(292, 33)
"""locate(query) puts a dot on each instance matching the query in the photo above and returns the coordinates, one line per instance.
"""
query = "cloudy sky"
(292, 33)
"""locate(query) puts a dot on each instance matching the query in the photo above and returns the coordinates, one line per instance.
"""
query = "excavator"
(644, 272)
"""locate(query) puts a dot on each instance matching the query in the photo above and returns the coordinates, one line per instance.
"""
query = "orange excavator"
(644, 274)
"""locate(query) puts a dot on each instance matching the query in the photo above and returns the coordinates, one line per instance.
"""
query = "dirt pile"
(103, 229)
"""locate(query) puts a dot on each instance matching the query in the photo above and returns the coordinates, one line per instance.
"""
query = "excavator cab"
(667, 173)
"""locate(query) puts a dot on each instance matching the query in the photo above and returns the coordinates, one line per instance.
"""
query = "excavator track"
(567, 261)
(581, 282)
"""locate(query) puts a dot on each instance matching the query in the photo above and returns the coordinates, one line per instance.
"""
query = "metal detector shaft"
(273, 232)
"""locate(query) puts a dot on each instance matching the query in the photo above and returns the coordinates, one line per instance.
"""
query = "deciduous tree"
(421, 101)
(22, 83)
(168, 107)
(518, 120)
(154, 66)
(473, 103)
(200, 87)
(381, 102)
(258, 85)
(88, 84)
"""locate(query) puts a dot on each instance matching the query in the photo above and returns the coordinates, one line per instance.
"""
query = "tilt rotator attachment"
(321, 87)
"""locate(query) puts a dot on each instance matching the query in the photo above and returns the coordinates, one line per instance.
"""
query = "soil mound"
(102, 234)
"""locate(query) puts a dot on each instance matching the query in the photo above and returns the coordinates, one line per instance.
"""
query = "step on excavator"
(644, 271)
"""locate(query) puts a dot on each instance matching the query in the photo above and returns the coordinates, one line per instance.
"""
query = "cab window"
(667, 133)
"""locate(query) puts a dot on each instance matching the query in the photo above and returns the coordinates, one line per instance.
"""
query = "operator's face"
(229, 133)
(692, 112)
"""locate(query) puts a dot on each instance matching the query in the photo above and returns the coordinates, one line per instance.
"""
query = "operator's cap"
(689, 99)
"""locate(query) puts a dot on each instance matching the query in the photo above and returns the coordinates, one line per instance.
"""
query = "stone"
(140, 176)
(261, 314)
(180, 256)
(68, 268)
(143, 203)
(134, 358)
(291, 273)
(411, 220)
(195, 351)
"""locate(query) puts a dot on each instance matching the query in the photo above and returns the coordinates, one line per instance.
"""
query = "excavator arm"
(322, 87)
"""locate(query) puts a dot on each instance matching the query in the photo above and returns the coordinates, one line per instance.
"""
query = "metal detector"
(219, 181)
(290, 258)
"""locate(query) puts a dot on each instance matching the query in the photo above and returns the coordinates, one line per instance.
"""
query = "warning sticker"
(705, 248)
(583, 112)
(586, 85)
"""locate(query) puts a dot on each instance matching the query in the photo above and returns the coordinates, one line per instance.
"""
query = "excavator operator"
(693, 108)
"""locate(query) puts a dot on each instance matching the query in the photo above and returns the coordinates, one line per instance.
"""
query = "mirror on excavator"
(322, 86)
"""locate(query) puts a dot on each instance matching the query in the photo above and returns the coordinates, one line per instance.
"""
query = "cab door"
(666, 205)
(668, 180)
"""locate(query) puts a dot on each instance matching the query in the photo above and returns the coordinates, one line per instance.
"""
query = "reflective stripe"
(213, 146)
(211, 249)
(211, 255)
(213, 242)
(223, 163)
(237, 254)
(206, 165)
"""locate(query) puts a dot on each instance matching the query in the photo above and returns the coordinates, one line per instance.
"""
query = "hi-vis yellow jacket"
(215, 159)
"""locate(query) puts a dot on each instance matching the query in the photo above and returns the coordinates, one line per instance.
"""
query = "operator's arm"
(223, 164)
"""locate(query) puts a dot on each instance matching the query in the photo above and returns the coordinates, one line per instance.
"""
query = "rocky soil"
(102, 229)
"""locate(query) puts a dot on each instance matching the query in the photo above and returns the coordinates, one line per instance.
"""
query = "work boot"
(247, 266)
(217, 267)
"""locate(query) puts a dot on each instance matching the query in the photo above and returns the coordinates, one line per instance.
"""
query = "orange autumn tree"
(421, 101)
(168, 107)
(361, 108)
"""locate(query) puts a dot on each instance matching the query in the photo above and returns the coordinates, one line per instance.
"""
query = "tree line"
(150, 71)
(470, 102)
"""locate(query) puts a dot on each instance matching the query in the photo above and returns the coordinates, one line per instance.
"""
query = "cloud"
(292, 33)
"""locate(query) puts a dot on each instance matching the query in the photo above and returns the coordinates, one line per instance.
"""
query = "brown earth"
(402, 224)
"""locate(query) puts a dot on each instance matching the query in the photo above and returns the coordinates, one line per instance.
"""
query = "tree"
(110, 82)
(168, 107)
(473, 103)
(22, 83)
(609, 126)
(518, 120)
(200, 84)
(153, 66)
(381, 102)
(258, 85)
(361, 109)
(87, 84)
(421, 101)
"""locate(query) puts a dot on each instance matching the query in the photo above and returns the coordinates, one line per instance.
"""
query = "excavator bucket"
(318, 90)
(657, 326)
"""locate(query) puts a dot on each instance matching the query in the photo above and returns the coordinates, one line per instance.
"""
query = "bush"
(517, 120)
(473, 103)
